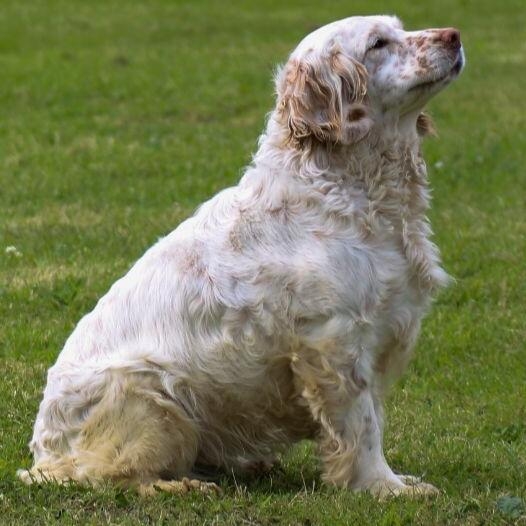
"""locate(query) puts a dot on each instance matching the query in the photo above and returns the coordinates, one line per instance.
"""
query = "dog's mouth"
(448, 76)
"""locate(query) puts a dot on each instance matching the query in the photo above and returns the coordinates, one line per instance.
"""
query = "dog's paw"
(179, 487)
(44, 476)
(257, 467)
(409, 479)
(405, 485)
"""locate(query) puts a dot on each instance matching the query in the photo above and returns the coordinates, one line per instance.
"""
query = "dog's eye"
(379, 43)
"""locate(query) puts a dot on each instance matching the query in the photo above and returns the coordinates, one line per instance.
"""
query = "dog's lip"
(455, 69)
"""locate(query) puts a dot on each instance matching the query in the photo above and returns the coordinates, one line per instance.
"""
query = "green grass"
(118, 118)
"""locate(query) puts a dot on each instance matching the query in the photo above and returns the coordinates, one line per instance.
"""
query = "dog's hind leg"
(135, 436)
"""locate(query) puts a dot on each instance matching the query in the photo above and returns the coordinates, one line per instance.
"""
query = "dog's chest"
(397, 201)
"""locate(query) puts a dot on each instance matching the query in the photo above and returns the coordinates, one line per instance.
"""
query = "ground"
(118, 118)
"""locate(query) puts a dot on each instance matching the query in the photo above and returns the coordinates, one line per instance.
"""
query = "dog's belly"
(252, 421)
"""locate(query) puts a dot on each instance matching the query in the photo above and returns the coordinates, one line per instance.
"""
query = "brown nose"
(451, 37)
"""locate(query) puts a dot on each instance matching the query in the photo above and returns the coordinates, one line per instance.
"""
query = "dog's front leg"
(341, 398)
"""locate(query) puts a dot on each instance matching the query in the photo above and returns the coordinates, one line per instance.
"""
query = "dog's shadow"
(297, 471)
(278, 480)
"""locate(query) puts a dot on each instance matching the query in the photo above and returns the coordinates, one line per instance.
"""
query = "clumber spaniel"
(286, 305)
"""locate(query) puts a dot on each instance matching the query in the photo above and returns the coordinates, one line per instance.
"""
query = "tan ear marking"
(315, 95)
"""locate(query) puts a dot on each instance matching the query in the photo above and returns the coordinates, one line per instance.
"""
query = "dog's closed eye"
(379, 43)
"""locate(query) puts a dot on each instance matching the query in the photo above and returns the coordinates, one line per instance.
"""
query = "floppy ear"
(321, 100)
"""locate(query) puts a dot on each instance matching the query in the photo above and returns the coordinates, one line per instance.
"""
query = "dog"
(287, 305)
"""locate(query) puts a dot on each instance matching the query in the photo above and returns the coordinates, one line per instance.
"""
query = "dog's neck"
(380, 185)
(393, 143)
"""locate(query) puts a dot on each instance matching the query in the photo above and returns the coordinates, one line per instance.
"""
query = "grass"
(118, 118)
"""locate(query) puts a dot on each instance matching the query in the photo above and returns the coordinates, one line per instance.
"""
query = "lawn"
(118, 118)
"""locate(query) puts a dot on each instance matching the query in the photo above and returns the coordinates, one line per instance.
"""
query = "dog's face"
(406, 68)
(345, 76)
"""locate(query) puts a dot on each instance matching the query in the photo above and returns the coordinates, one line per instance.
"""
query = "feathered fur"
(285, 306)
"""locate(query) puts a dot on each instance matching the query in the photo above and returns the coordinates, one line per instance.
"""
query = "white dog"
(285, 306)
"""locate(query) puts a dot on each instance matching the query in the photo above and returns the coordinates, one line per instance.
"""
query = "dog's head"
(347, 76)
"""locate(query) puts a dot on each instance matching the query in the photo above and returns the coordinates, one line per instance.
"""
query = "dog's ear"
(321, 99)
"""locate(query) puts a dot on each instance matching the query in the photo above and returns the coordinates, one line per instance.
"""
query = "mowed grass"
(118, 118)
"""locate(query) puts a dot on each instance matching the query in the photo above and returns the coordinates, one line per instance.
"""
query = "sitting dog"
(284, 308)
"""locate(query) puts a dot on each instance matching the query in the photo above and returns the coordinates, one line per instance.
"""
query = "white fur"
(283, 308)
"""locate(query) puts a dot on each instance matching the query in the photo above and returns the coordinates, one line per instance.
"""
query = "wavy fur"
(286, 305)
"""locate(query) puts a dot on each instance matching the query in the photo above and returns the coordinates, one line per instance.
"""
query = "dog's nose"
(451, 37)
